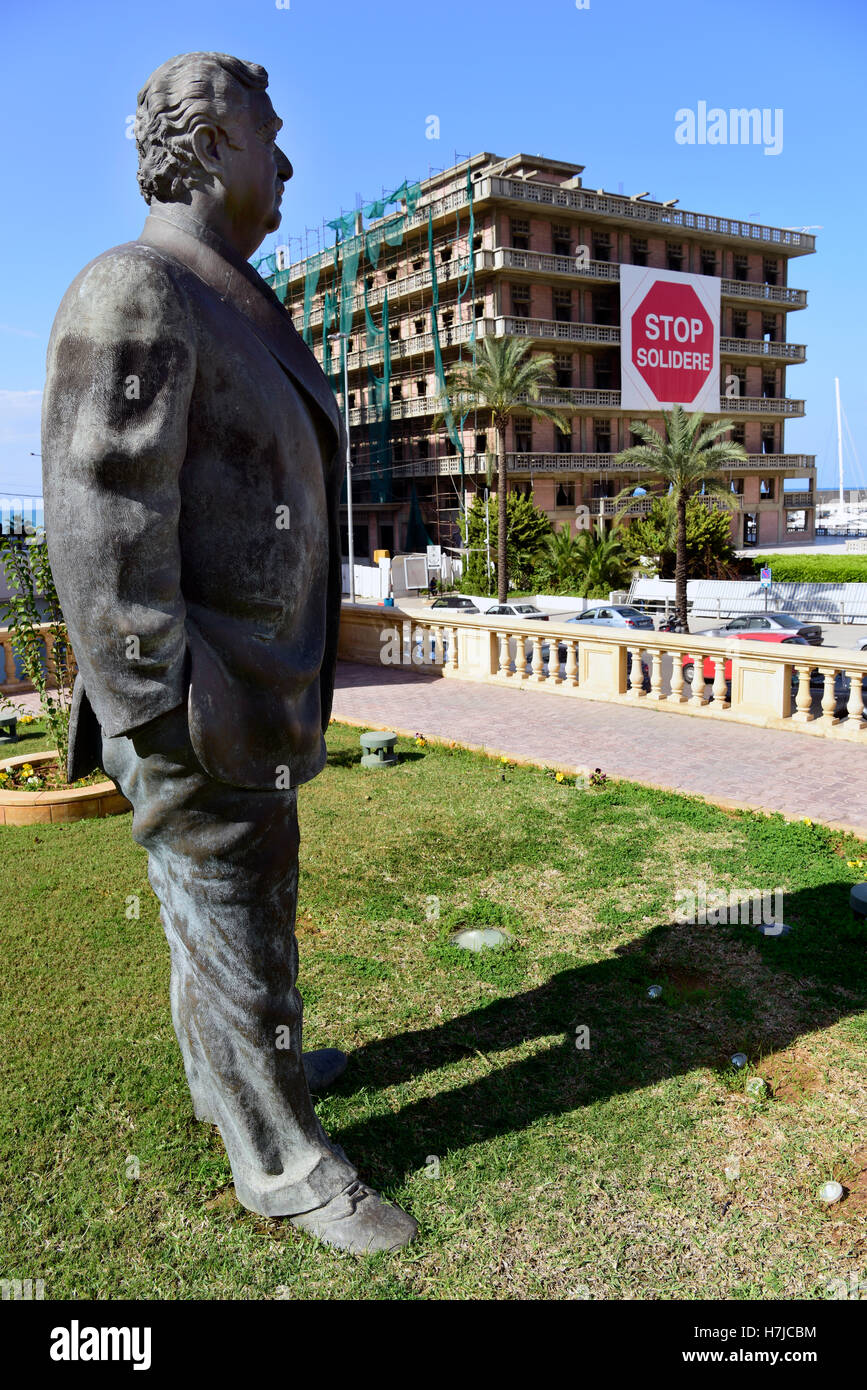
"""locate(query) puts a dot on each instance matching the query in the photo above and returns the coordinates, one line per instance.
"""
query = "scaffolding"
(334, 273)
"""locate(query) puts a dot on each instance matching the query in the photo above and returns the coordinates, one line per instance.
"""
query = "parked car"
(708, 664)
(615, 615)
(517, 610)
(768, 622)
(455, 601)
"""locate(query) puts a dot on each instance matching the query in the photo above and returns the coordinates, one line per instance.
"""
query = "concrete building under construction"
(519, 247)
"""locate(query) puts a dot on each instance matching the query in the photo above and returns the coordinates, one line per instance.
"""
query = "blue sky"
(354, 83)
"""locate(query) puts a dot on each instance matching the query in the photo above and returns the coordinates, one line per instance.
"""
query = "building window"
(352, 400)
(561, 240)
(768, 441)
(477, 243)
(520, 233)
(523, 434)
(422, 448)
(565, 495)
(421, 386)
(796, 521)
(521, 301)
(742, 265)
(562, 306)
(419, 326)
(563, 369)
(446, 255)
(739, 323)
(396, 391)
(601, 246)
(737, 487)
(771, 271)
(417, 265)
(522, 490)
(769, 385)
(602, 374)
(391, 274)
(481, 443)
(603, 438)
(394, 333)
(674, 255)
(740, 376)
(397, 450)
(751, 528)
(564, 442)
(766, 489)
(769, 328)
(708, 261)
(739, 434)
(639, 250)
(480, 310)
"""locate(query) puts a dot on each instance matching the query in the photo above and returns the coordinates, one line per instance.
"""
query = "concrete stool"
(9, 729)
(858, 900)
(379, 750)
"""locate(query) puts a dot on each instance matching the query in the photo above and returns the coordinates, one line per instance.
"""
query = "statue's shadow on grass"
(742, 993)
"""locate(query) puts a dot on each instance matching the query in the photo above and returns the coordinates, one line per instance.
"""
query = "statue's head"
(205, 129)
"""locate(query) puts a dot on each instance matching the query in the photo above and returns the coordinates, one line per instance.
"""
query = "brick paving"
(730, 764)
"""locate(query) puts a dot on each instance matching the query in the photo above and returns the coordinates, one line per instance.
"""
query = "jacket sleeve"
(120, 372)
(334, 486)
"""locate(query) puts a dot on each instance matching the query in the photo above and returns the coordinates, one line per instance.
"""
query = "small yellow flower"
(504, 759)
(807, 821)
(850, 864)
(859, 863)
(559, 777)
(26, 770)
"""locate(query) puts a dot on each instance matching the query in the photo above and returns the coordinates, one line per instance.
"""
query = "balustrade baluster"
(538, 661)
(571, 661)
(656, 674)
(505, 667)
(452, 642)
(719, 687)
(803, 698)
(636, 675)
(677, 696)
(699, 693)
(855, 703)
(829, 696)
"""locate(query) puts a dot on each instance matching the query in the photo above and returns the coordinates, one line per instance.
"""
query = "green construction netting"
(352, 253)
(417, 537)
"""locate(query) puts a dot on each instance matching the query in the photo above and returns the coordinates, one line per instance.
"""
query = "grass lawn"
(535, 1168)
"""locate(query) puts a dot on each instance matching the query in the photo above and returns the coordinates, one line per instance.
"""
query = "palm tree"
(602, 560)
(688, 459)
(506, 380)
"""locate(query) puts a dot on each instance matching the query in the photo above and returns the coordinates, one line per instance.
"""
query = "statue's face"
(255, 171)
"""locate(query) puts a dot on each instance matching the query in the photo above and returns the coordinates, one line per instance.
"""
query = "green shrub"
(813, 569)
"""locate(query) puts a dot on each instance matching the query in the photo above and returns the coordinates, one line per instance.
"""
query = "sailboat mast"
(839, 438)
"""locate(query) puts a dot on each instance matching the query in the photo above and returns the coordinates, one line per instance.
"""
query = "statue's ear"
(206, 142)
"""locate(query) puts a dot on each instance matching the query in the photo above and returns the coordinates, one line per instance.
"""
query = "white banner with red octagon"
(669, 340)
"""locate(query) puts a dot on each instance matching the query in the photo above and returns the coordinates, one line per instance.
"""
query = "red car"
(709, 663)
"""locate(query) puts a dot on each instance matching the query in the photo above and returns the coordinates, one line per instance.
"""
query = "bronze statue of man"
(193, 457)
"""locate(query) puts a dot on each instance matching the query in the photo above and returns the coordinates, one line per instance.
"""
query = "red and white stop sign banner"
(669, 340)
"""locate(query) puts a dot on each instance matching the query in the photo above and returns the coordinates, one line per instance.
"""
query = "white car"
(516, 610)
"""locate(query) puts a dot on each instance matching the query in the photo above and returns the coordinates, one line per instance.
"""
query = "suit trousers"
(223, 862)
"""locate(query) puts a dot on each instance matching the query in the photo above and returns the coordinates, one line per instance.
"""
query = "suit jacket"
(193, 456)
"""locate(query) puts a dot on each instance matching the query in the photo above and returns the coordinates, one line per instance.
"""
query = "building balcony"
(798, 499)
(449, 465)
(618, 209)
(508, 258)
(602, 333)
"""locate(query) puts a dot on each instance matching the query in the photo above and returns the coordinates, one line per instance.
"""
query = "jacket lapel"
(238, 284)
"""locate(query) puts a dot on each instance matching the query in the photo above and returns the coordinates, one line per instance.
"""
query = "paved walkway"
(732, 765)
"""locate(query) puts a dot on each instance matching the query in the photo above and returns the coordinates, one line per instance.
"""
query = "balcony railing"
(509, 258)
(599, 333)
(609, 205)
(749, 682)
(448, 465)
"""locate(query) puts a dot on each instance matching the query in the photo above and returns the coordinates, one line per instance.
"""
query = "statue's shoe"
(322, 1068)
(358, 1220)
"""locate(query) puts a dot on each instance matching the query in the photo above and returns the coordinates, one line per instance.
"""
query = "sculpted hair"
(191, 90)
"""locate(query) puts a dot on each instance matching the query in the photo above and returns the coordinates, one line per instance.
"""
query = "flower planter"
(18, 807)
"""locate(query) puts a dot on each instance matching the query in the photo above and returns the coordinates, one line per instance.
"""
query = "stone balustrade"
(816, 690)
(11, 683)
